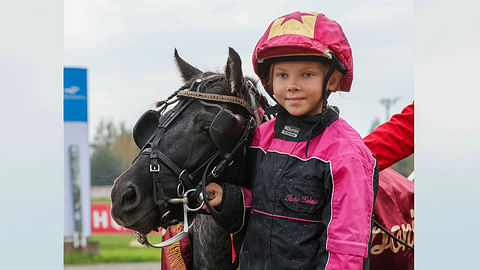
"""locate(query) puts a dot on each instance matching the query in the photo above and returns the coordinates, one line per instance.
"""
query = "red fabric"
(394, 211)
(177, 256)
(233, 249)
(393, 140)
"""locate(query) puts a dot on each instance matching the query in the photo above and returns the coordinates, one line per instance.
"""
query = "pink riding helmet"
(302, 34)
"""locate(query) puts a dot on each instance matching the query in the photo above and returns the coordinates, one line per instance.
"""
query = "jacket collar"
(301, 128)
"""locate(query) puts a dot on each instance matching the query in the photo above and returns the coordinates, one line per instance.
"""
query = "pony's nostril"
(129, 194)
(130, 199)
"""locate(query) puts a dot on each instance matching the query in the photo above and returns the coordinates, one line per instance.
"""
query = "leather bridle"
(190, 191)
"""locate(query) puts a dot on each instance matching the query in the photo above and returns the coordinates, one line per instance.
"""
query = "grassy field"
(101, 200)
(117, 248)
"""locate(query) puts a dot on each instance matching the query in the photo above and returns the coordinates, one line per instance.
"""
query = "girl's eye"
(282, 75)
(307, 74)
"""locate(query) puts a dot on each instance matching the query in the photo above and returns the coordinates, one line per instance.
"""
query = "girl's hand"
(215, 193)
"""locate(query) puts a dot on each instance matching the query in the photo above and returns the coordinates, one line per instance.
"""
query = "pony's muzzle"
(130, 199)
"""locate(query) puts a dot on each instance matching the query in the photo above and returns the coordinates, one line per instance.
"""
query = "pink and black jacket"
(313, 184)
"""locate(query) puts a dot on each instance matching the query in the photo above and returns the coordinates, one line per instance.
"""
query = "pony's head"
(206, 131)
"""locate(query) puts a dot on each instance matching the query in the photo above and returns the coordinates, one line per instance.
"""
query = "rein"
(186, 179)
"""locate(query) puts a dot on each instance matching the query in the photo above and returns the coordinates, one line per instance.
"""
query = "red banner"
(102, 221)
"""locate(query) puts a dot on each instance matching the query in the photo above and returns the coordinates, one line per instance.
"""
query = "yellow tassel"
(174, 254)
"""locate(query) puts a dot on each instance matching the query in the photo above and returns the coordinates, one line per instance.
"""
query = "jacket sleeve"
(393, 140)
(355, 182)
(234, 209)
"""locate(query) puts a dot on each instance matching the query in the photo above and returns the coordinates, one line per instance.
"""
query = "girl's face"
(297, 86)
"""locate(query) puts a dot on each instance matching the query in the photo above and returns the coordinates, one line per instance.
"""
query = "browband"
(213, 97)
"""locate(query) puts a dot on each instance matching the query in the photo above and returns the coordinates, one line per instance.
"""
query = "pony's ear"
(233, 71)
(188, 71)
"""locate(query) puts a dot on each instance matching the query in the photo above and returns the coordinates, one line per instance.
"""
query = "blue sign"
(75, 94)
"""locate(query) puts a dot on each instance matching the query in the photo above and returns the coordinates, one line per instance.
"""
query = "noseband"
(229, 132)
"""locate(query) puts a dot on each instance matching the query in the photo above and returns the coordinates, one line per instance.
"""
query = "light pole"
(388, 102)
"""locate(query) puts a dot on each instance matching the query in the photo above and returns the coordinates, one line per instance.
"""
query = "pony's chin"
(146, 224)
(146, 229)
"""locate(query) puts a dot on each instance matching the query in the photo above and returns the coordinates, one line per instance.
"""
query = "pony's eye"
(206, 127)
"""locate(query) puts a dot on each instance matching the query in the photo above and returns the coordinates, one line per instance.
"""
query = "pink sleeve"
(351, 212)
(338, 261)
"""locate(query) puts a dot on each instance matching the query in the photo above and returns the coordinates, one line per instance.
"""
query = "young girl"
(312, 180)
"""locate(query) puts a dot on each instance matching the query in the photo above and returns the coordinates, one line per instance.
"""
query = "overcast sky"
(127, 47)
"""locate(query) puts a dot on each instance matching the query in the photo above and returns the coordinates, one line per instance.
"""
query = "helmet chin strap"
(325, 91)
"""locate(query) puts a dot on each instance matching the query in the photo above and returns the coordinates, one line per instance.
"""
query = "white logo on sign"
(72, 90)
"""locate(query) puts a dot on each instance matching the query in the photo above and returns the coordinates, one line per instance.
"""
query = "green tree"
(106, 165)
(105, 134)
(124, 146)
(405, 166)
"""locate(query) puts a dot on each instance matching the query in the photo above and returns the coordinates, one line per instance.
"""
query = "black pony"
(203, 138)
